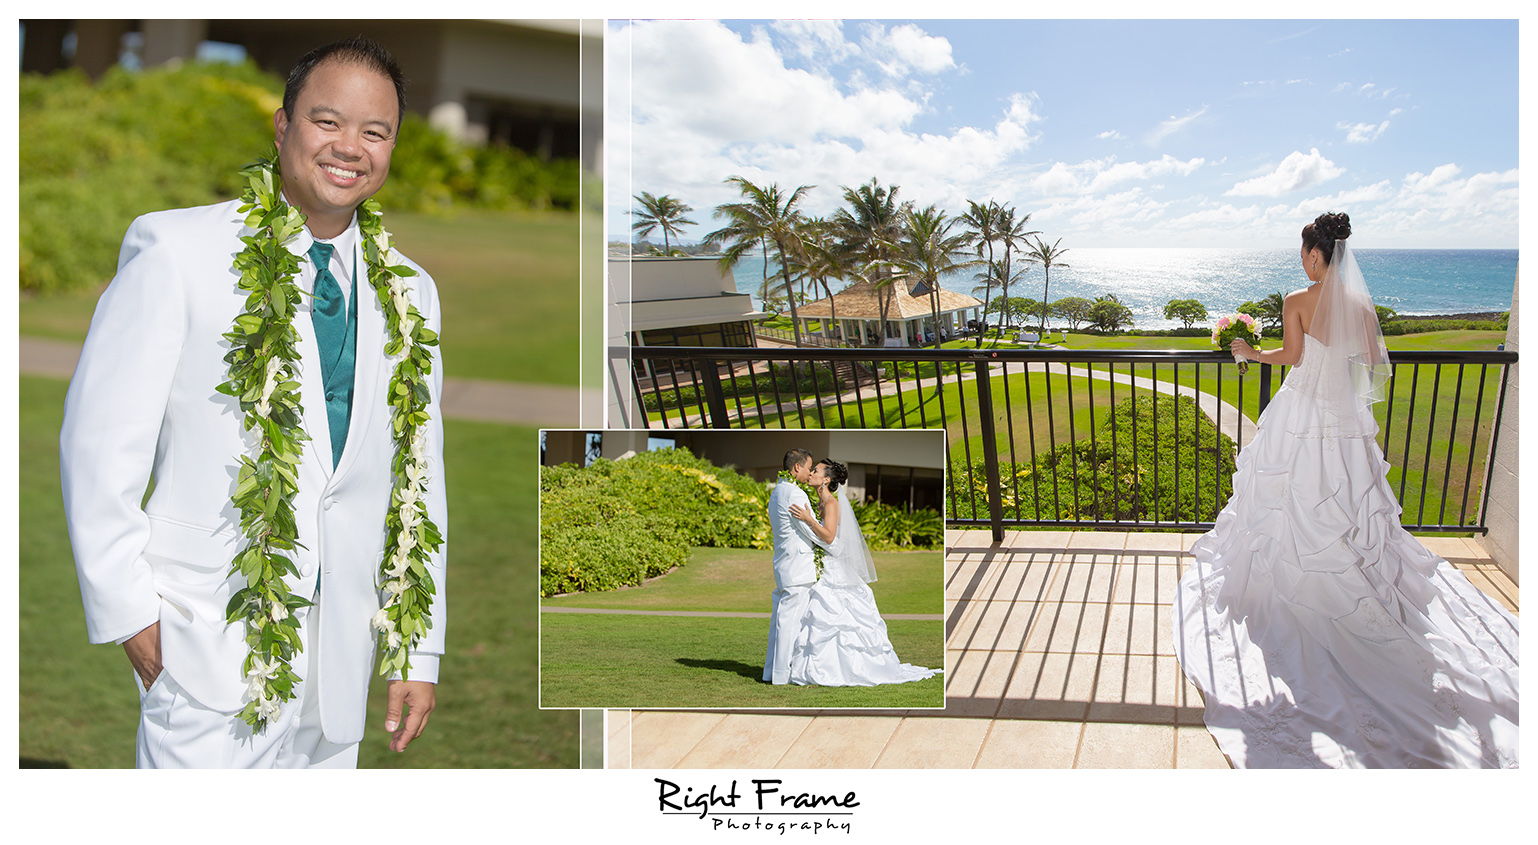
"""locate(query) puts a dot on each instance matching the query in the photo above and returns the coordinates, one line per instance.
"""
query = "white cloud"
(820, 42)
(1296, 172)
(906, 48)
(1095, 176)
(712, 103)
(1173, 125)
(1362, 133)
(1109, 134)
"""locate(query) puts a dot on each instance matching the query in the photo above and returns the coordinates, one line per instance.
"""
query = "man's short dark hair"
(356, 50)
(795, 458)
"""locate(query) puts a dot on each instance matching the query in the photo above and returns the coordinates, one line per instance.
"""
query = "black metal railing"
(1036, 438)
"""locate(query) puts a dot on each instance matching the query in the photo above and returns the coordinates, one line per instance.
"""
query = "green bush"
(1116, 480)
(617, 523)
(95, 156)
(891, 528)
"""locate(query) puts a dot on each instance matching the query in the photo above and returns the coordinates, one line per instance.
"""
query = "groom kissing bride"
(824, 630)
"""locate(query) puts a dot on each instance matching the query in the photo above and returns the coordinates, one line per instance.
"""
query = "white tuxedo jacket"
(143, 402)
(795, 562)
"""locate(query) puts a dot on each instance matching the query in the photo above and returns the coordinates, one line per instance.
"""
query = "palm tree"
(1011, 233)
(982, 227)
(997, 278)
(663, 212)
(869, 231)
(768, 215)
(1048, 257)
(820, 258)
(930, 251)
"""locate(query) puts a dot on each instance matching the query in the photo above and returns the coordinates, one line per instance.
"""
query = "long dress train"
(843, 640)
(1321, 633)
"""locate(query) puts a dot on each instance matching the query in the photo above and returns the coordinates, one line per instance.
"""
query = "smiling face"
(335, 149)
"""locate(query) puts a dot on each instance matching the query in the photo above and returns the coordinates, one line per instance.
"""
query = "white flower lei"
(263, 369)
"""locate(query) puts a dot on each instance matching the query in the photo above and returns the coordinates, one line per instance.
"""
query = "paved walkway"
(1058, 655)
(480, 400)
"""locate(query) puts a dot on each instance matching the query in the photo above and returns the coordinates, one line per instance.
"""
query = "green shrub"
(616, 523)
(1116, 480)
(891, 528)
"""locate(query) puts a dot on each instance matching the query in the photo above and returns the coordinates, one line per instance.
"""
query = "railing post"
(715, 400)
(1265, 388)
(990, 449)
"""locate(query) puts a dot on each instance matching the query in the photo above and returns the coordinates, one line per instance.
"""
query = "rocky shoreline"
(1483, 315)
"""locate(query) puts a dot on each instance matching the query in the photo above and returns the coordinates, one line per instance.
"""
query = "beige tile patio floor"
(1058, 655)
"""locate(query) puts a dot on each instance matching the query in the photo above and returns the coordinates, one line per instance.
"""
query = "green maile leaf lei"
(811, 494)
(263, 374)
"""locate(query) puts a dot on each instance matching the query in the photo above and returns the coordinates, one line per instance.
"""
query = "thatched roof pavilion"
(859, 313)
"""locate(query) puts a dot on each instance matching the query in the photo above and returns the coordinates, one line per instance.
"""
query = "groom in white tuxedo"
(142, 404)
(795, 565)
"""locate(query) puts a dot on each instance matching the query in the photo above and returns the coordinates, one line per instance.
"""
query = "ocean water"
(1411, 281)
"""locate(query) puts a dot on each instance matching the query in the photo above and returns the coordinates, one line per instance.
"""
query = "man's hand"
(418, 697)
(143, 651)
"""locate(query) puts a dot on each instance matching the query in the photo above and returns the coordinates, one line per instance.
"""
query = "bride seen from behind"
(843, 639)
(1321, 633)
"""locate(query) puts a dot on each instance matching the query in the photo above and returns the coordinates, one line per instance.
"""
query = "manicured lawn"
(609, 660)
(740, 580)
(508, 282)
(78, 706)
(592, 660)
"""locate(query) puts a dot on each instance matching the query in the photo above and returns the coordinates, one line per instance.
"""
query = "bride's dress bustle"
(843, 640)
(1321, 633)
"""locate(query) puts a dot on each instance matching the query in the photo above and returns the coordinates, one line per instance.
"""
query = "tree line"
(874, 237)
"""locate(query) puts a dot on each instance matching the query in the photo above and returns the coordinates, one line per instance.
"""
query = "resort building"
(683, 302)
(910, 319)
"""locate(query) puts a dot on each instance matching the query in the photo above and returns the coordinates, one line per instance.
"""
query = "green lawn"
(607, 660)
(508, 281)
(740, 580)
(590, 660)
(78, 706)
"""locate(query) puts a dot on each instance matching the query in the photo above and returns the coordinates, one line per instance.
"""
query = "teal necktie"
(336, 333)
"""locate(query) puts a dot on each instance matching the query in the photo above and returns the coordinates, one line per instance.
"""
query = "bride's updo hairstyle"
(1325, 231)
(837, 473)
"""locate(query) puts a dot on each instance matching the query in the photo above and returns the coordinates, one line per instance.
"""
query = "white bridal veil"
(848, 546)
(1354, 372)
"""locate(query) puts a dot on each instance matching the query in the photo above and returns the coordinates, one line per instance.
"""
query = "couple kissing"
(825, 630)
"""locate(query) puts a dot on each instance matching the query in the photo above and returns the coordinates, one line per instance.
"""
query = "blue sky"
(1109, 133)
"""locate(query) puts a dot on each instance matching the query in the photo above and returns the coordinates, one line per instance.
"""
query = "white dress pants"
(789, 606)
(176, 732)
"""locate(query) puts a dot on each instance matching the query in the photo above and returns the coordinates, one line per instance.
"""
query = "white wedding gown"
(843, 640)
(1321, 633)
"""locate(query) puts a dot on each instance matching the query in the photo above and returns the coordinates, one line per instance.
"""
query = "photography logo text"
(763, 804)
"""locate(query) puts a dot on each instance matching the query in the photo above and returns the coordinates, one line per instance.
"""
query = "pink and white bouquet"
(1241, 326)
